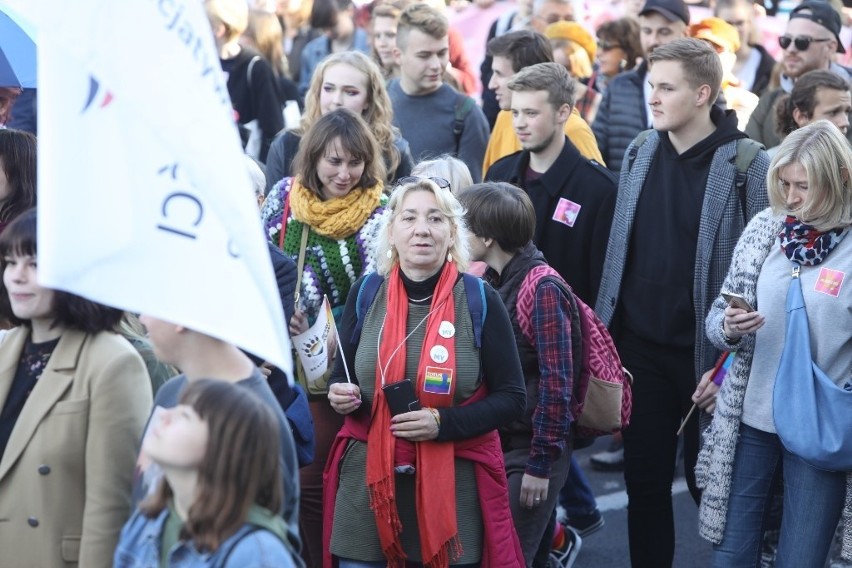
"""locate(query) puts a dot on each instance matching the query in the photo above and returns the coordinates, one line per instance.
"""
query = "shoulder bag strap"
(300, 264)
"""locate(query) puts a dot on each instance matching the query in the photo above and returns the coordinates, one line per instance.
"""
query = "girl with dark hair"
(17, 174)
(326, 219)
(74, 398)
(345, 80)
(215, 503)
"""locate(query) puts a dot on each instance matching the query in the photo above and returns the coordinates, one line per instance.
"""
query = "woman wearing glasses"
(425, 481)
(619, 49)
(326, 218)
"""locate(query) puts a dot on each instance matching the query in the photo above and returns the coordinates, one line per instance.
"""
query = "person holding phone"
(424, 485)
(743, 458)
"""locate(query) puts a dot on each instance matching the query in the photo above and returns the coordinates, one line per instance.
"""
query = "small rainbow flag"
(438, 380)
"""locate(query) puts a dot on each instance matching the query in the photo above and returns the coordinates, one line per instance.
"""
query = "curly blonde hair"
(379, 112)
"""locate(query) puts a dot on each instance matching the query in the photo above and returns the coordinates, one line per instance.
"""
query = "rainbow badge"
(829, 282)
(438, 380)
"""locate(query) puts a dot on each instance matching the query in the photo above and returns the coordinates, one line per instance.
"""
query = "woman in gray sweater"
(743, 457)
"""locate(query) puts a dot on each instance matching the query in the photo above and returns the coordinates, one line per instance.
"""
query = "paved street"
(607, 548)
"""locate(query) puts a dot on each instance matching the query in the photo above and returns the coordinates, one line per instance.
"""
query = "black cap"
(670, 9)
(823, 14)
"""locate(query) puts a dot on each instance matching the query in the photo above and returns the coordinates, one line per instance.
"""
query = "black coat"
(576, 252)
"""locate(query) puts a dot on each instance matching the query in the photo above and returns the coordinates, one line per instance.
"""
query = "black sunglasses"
(606, 46)
(802, 43)
(439, 181)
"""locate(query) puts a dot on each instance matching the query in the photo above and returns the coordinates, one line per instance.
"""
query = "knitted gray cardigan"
(716, 459)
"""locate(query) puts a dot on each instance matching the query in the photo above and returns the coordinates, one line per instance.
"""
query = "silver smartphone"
(737, 301)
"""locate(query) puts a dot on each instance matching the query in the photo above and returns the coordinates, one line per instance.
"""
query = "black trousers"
(663, 383)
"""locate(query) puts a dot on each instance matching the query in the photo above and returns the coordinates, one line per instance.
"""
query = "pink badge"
(566, 212)
(829, 282)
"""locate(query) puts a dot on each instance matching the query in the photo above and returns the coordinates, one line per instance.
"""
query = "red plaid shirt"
(551, 421)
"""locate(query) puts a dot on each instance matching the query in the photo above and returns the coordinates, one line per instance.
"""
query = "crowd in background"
(454, 179)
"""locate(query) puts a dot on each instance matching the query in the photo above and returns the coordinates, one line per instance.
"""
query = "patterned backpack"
(602, 394)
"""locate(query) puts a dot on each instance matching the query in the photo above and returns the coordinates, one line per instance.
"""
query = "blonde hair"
(379, 113)
(451, 169)
(424, 18)
(233, 14)
(449, 206)
(823, 151)
(266, 32)
(700, 63)
(579, 64)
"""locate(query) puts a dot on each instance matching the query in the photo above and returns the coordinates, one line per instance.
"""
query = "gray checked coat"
(716, 460)
(720, 228)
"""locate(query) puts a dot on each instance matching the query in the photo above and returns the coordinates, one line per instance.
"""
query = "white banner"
(144, 197)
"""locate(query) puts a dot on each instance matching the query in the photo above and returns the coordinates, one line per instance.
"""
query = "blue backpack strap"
(366, 294)
(474, 289)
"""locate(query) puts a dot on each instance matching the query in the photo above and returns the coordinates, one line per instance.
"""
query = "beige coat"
(66, 473)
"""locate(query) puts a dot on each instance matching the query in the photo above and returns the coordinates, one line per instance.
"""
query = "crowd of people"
(666, 172)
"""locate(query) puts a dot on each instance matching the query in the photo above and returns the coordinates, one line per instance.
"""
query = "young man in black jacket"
(573, 197)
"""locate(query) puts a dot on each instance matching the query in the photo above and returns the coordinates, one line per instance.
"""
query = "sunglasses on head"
(439, 181)
(606, 46)
(802, 43)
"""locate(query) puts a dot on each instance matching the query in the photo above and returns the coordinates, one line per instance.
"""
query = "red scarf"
(435, 468)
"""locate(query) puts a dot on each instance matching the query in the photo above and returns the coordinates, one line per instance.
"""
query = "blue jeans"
(576, 496)
(813, 501)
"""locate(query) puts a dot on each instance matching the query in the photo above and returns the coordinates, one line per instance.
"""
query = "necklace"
(421, 300)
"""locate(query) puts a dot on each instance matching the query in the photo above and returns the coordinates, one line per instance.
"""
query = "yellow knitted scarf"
(336, 218)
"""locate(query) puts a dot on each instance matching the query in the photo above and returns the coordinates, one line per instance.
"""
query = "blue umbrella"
(17, 55)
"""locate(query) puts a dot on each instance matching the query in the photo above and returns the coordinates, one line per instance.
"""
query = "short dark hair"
(500, 211)
(804, 97)
(69, 310)
(523, 48)
(324, 13)
(355, 137)
(241, 466)
(18, 158)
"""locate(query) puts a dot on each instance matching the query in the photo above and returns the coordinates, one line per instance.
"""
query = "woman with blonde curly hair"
(350, 80)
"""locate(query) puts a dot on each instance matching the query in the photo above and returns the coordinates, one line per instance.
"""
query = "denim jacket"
(250, 547)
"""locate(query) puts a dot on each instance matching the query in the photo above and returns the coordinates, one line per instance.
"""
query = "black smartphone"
(737, 301)
(401, 397)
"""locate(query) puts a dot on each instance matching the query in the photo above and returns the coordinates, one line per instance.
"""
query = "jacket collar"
(51, 386)
(554, 178)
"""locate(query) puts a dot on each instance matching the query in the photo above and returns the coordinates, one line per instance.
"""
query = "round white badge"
(439, 354)
(446, 329)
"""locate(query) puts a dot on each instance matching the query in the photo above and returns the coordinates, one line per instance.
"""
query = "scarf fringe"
(383, 505)
(450, 551)
(382, 502)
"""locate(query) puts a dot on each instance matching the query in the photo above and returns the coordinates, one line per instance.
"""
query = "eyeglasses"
(606, 46)
(439, 181)
(802, 43)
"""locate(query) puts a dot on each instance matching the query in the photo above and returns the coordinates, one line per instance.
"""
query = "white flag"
(144, 197)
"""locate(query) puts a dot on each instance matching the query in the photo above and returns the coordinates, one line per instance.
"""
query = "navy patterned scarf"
(805, 245)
